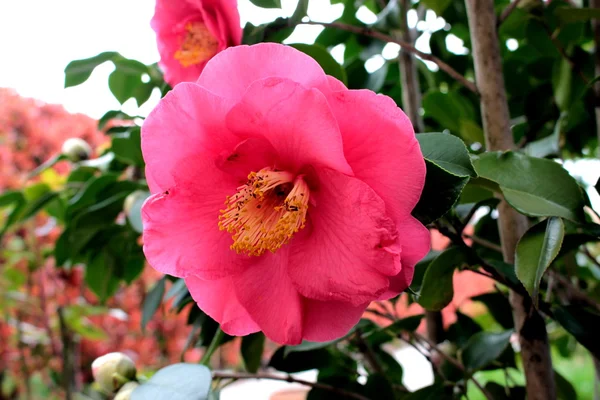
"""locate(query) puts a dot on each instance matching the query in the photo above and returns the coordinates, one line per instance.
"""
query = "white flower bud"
(113, 370)
(125, 392)
(76, 149)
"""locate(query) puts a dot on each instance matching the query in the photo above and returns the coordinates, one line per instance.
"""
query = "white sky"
(38, 38)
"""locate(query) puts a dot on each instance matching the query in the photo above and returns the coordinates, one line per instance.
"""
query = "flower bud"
(125, 392)
(113, 370)
(76, 149)
(134, 197)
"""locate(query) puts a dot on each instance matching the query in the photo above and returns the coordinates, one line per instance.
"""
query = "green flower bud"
(76, 149)
(113, 370)
(125, 392)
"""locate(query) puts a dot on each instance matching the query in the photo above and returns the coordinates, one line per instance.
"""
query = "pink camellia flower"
(283, 198)
(191, 32)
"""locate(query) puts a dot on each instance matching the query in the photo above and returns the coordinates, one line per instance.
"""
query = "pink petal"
(381, 148)
(416, 242)
(350, 248)
(335, 85)
(296, 121)
(329, 320)
(232, 71)
(181, 233)
(188, 122)
(266, 291)
(217, 298)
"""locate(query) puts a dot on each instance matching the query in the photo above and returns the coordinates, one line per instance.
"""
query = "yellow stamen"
(198, 45)
(265, 213)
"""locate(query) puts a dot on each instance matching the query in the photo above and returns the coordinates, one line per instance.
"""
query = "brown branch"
(529, 324)
(290, 379)
(69, 381)
(405, 46)
(573, 292)
(507, 11)
(483, 242)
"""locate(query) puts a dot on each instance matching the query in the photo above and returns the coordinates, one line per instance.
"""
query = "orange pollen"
(198, 45)
(265, 213)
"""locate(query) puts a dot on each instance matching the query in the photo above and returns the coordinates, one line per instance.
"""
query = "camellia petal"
(329, 320)
(217, 298)
(266, 291)
(351, 248)
(230, 74)
(190, 32)
(181, 235)
(276, 109)
(188, 122)
(416, 243)
(381, 148)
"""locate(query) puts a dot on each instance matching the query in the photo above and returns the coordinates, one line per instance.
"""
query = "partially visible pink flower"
(191, 32)
(283, 198)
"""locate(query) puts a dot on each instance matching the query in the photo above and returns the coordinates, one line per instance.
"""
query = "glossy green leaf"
(390, 332)
(434, 392)
(126, 81)
(483, 348)
(152, 301)
(176, 382)
(267, 3)
(127, 147)
(101, 275)
(437, 289)
(582, 323)
(442, 190)
(252, 350)
(564, 388)
(325, 60)
(569, 15)
(499, 307)
(378, 387)
(79, 71)
(447, 152)
(300, 360)
(438, 6)
(530, 184)
(535, 252)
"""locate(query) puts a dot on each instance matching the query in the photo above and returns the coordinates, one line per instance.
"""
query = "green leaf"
(126, 81)
(583, 324)
(530, 184)
(499, 307)
(536, 250)
(435, 392)
(127, 147)
(325, 60)
(483, 348)
(152, 301)
(568, 15)
(267, 3)
(252, 350)
(437, 290)
(442, 190)
(101, 276)
(564, 388)
(438, 6)
(390, 332)
(298, 361)
(378, 387)
(447, 152)
(562, 76)
(176, 382)
(112, 115)
(391, 368)
(79, 71)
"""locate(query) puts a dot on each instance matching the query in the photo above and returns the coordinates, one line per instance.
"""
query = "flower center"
(198, 45)
(265, 213)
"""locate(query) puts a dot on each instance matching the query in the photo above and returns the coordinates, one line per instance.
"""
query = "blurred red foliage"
(30, 342)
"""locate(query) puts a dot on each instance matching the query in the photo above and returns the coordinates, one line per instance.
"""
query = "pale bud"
(125, 392)
(76, 149)
(113, 370)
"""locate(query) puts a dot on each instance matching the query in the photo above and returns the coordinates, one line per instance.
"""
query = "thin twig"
(364, 348)
(573, 292)
(365, 31)
(483, 242)
(22, 356)
(290, 379)
(507, 11)
(453, 361)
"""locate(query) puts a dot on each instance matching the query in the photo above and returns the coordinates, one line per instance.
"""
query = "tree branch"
(507, 11)
(290, 379)
(530, 325)
(405, 46)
